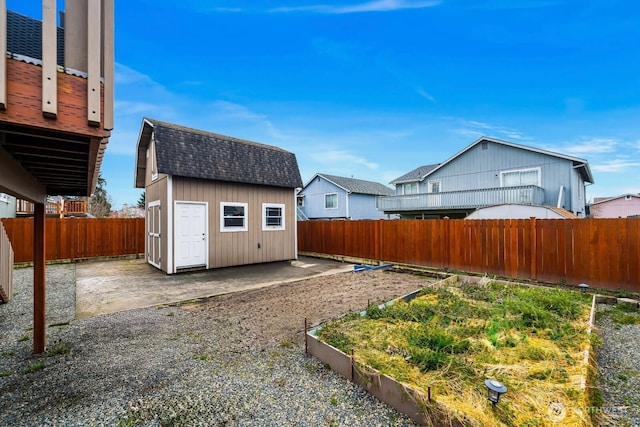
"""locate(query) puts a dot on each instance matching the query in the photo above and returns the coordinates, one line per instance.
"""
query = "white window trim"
(325, 200)
(404, 186)
(266, 227)
(538, 169)
(4, 197)
(224, 229)
(439, 181)
(154, 163)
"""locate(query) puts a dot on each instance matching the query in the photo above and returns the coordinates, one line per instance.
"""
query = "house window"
(4, 198)
(331, 201)
(300, 201)
(520, 177)
(411, 188)
(434, 186)
(272, 216)
(233, 216)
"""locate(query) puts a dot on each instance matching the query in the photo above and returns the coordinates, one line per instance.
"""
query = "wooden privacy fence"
(6, 267)
(601, 252)
(73, 238)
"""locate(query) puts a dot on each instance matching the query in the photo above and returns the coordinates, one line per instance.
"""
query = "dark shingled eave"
(415, 175)
(193, 153)
(358, 186)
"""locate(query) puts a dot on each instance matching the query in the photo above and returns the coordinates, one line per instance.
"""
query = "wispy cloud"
(371, 6)
(333, 156)
(475, 128)
(592, 146)
(423, 93)
(616, 165)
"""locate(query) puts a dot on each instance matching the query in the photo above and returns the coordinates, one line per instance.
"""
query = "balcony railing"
(66, 207)
(526, 194)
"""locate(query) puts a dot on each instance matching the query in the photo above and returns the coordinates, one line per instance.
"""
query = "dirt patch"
(276, 314)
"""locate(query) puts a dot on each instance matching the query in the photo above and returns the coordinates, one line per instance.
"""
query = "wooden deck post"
(39, 291)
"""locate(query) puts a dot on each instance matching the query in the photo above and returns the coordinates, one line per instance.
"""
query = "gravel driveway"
(233, 360)
(237, 360)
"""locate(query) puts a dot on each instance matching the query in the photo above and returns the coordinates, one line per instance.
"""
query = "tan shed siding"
(239, 248)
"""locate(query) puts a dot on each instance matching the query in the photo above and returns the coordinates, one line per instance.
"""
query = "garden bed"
(428, 354)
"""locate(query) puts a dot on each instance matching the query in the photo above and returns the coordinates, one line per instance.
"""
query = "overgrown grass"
(450, 338)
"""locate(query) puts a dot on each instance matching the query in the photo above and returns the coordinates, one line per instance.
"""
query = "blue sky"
(374, 89)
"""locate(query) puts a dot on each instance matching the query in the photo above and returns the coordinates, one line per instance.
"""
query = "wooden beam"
(108, 61)
(39, 276)
(15, 180)
(49, 60)
(94, 56)
(3, 55)
(75, 34)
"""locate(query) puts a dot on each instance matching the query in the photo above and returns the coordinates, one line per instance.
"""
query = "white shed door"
(154, 243)
(190, 234)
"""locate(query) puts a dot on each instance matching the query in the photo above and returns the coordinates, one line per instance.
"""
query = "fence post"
(534, 247)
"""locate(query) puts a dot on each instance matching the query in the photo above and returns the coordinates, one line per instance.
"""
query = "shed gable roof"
(358, 186)
(194, 153)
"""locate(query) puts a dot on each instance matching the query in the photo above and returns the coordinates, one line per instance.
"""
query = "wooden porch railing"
(6, 266)
(66, 207)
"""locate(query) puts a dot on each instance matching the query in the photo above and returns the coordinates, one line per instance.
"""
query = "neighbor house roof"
(423, 171)
(578, 163)
(353, 185)
(194, 153)
(598, 200)
(417, 174)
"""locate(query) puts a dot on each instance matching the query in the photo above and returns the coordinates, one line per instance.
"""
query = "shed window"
(411, 188)
(520, 177)
(331, 201)
(272, 216)
(233, 216)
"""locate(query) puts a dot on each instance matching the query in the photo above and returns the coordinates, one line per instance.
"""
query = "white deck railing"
(527, 194)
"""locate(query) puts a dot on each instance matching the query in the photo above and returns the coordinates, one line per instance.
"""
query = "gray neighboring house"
(335, 197)
(490, 172)
(213, 200)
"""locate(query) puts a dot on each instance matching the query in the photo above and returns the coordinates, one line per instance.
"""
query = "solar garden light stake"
(583, 287)
(495, 389)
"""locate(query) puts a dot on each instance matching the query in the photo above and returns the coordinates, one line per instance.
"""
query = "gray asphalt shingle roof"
(416, 174)
(359, 186)
(194, 153)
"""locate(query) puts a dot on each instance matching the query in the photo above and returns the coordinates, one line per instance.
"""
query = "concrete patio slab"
(117, 285)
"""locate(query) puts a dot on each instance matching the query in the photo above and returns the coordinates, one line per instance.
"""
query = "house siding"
(242, 247)
(480, 169)
(314, 200)
(363, 206)
(616, 208)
